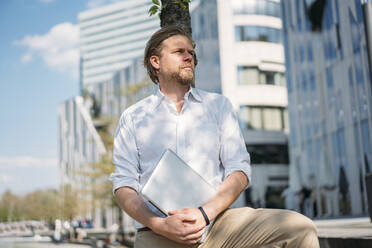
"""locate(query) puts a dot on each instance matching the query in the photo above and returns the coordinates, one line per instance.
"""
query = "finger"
(191, 229)
(178, 211)
(187, 217)
(192, 242)
(173, 212)
(195, 236)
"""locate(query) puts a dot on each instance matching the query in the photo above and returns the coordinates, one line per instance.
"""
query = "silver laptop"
(175, 185)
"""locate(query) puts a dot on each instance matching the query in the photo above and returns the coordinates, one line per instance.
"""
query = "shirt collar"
(159, 96)
(195, 94)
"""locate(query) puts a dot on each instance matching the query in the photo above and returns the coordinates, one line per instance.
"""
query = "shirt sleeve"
(233, 152)
(125, 156)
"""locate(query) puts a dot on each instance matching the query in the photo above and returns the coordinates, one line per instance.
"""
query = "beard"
(186, 78)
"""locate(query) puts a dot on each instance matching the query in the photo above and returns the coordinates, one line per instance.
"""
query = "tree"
(41, 205)
(173, 13)
(10, 207)
(69, 202)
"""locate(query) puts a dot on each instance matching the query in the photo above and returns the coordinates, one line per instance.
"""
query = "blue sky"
(38, 69)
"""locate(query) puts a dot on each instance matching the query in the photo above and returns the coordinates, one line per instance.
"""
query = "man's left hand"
(193, 213)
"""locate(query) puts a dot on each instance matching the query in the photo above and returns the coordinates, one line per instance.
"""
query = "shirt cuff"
(238, 166)
(119, 181)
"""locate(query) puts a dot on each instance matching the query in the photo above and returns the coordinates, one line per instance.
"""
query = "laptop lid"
(175, 185)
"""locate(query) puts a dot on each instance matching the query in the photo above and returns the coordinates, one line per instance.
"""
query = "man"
(203, 130)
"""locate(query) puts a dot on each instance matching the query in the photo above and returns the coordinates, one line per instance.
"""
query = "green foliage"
(153, 10)
(41, 205)
(48, 205)
(157, 7)
(10, 207)
(69, 203)
(182, 3)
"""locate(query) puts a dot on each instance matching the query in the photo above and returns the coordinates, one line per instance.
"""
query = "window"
(272, 119)
(355, 37)
(248, 75)
(293, 132)
(367, 147)
(256, 7)
(84, 139)
(309, 51)
(253, 75)
(299, 16)
(258, 33)
(329, 78)
(75, 127)
(263, 118)
(312, 79)
(358, 7)
(304, 82)
(268, 154)
(127, 75)
(328, 17)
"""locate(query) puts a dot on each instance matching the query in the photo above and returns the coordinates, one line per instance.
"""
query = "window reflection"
(256, 7)
(263, 118)
(258, 33)
(253, 75)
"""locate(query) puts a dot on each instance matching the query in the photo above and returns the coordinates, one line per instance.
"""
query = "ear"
(155, 62)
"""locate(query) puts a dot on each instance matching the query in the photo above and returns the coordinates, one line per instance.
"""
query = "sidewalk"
(346, 232)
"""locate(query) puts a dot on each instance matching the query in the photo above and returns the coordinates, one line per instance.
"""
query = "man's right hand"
(179, 228)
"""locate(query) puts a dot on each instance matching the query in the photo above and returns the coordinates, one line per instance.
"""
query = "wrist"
(205, 216)
(210, 211)
(156, 223)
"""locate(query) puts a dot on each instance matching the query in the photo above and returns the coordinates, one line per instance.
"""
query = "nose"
(188, 57)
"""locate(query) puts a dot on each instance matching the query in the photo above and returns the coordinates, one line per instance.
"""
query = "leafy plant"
(158, 6)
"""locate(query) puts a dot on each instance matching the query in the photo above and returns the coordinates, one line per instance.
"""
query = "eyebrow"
(181, 48)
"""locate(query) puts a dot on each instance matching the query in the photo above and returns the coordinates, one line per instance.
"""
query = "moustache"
(187, 66)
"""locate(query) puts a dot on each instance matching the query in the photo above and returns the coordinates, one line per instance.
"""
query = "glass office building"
(329, 102)
(79, 144)
(111, 37)
(240, 52)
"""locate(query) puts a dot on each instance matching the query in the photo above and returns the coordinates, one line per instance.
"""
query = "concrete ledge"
(345, 243)
(349, 232)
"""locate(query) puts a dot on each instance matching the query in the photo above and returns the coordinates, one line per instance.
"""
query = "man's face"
(176, 60)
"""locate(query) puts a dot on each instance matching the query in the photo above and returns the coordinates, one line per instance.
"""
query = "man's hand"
(193, 213)
(185, 226)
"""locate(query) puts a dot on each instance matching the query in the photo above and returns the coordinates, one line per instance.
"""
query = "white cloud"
(27, 162)
(6, 178)
(97, 3)
(58, 48)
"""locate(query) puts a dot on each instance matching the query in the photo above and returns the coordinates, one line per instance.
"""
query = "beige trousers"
(247, 228)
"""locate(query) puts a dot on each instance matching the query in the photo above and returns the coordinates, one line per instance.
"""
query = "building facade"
(112, 77)
(80, 145)
(330, 103)
(111, 37)
(240, 52)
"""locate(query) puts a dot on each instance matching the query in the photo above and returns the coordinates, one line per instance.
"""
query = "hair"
(154, 47)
